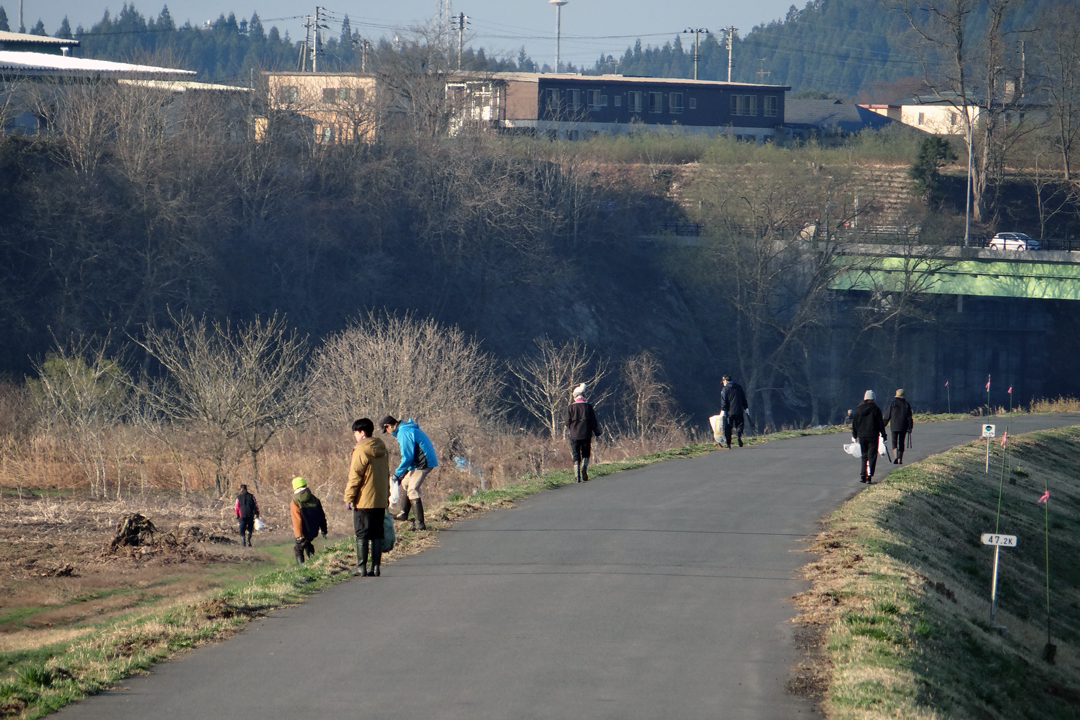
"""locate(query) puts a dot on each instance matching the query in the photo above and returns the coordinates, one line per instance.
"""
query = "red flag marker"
(1004, 438)
(987, 386)
(946, 383)
(1045, 496)
(1010, 389)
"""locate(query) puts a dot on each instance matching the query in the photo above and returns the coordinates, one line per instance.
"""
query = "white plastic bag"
(716, 422)
(853, 449)
(881, 446)
(260, 524)
(395, 492)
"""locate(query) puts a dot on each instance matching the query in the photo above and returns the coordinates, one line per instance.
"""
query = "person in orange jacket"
(308, 519)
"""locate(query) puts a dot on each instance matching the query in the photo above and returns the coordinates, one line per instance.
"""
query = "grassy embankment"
(900, 596)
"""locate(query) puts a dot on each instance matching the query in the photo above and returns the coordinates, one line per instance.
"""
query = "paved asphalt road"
(663, 592)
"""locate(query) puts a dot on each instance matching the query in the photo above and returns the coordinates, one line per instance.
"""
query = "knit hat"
(298, 483)
(900, 393)
(579, 391)
(869, 395)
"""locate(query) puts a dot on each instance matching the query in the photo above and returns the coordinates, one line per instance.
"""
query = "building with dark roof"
(24, 42)
(803, 118)
(574, 106)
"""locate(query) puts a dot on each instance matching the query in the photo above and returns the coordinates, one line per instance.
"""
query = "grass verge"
(899, 615)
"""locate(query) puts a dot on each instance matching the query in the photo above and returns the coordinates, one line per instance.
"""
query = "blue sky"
(502, 27)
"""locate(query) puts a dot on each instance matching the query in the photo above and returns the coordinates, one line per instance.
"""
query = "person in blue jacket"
(417, 460)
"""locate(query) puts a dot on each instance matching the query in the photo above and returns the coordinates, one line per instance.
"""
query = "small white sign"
(1002, 540)
(988, 431)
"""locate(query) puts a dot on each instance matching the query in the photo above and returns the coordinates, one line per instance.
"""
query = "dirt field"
(60, 577)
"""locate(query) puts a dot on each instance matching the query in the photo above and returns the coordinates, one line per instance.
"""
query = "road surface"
(662, 592)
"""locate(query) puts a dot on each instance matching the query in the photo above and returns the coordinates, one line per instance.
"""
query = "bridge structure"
(942, 270)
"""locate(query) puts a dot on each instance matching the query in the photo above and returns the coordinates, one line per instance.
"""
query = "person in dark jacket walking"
(898, 417)
(308, 519)
(581, 428)
(247, 509)
(866, 426)
(732, 410)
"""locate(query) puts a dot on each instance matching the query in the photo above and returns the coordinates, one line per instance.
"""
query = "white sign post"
(988, 432)
(998, 541)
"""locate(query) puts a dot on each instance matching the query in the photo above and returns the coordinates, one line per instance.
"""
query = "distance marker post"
(988, 432)
(998, 541)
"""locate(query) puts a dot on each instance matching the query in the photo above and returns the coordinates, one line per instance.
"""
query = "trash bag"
(395, 492)
(881, 446)
(853, 449)
(717, 425)
(260, 524)
(388, 536)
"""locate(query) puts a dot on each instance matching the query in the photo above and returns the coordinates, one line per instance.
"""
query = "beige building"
(336, 107)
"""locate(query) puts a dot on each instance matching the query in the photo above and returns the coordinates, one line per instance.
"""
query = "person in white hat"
(581, 428)
(866, 426)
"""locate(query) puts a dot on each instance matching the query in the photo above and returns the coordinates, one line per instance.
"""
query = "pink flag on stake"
(946, 383)
(988, 385)
(1010, 389)
(1045, 496)
(1004, 438)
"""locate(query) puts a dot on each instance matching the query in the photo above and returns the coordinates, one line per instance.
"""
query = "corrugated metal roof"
(6, 36)
(59, 65)
(180, 86)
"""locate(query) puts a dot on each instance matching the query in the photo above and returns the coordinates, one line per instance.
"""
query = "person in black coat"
(899, 418)
(246, 510)
(732, 409)
(866, 426)
(581, 428)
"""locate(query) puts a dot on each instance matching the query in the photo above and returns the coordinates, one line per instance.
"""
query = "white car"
(1013, 241)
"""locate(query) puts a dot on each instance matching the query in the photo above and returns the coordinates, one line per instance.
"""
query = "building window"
(618, 101)
(675, 102)
(596, 100)
(693, 103)
(634, 101)
(656, 102)
(744, 105)
(288, 94)
(772, 106)
(575, 99)
(328, 133)
(921, 116)
(553, 101)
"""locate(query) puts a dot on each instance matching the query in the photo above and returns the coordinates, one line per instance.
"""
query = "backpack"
(388, 537)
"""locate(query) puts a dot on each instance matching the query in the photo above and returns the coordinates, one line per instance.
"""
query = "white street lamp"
(558, 31)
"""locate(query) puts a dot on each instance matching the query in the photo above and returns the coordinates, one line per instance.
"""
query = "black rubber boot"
(584, 469)
(419, 505)
(243, 540)
(361, 559)
(376, 557)
(404, 514)
(249, 539)
(298, 552)
(577, 471)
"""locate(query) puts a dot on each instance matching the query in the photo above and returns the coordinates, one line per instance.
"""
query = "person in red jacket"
(247, 509)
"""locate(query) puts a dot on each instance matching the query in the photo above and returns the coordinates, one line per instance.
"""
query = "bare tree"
(1058, 43)
(547, 378)
(647, 399)
(963, 67)
(396, 364)
(83, 393)
(226, 384)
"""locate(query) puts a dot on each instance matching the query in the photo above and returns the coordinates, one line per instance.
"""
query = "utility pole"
(696, 32)
(558, 31)
(762, 72)
(316, 45)
(729, 35)
(462, 19)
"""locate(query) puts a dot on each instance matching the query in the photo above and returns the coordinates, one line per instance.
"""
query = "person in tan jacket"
(367, 494)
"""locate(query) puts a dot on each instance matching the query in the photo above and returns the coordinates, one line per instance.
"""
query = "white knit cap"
(869, 395)
(579, 391)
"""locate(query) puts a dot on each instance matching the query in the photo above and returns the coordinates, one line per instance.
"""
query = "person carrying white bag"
(868, 428)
